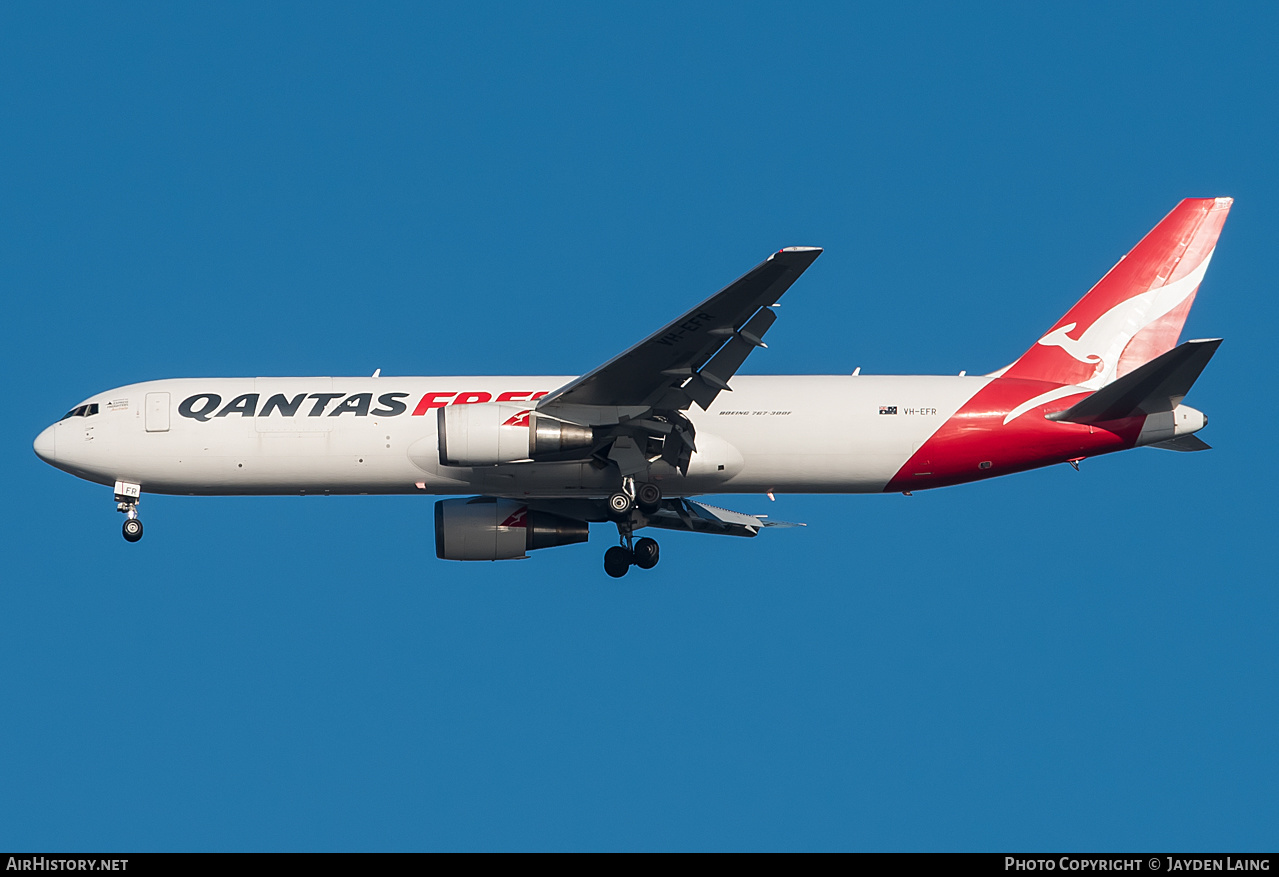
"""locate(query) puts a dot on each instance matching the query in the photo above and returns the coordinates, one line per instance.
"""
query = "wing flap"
(714, 376)
(697, 517)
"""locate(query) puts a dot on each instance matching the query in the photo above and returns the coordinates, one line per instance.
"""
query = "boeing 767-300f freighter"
(632, 440)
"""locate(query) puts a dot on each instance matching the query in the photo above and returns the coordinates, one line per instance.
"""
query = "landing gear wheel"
(619, 505)
(132, 530)
(646, 553)
(617, 560)
(649, 497)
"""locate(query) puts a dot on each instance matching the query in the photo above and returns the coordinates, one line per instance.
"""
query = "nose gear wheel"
(128, 505)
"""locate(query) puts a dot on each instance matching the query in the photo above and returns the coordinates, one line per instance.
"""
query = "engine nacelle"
(484, 434)
(484, 528)
(491, 433)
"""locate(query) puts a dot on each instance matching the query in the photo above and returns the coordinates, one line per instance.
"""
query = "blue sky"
(1056, 660)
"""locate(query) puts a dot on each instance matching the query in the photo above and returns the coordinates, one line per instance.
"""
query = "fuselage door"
(157, 412)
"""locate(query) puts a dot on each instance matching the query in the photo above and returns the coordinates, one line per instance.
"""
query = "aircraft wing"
(692, 358)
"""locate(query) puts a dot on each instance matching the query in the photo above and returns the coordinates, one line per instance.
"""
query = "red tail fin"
(1134, 313)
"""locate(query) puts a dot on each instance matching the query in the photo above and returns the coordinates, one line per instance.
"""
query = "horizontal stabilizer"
(1157, 386)
(1184, 443)
(684, 514)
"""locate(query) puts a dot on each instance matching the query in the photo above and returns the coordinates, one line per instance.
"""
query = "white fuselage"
(798, 434)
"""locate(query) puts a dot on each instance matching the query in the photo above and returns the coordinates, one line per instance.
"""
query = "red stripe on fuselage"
(977, 434)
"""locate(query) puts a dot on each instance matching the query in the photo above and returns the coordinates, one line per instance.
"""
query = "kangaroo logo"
(520, 419)
(517, 519)
(1080, 347)
(1102, 343)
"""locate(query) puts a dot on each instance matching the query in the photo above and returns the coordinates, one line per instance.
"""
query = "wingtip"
(1221, 203)
(798, 254)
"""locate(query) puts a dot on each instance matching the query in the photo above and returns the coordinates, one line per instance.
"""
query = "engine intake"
(485, 528)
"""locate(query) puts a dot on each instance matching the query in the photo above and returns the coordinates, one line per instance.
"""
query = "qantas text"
(207, 406)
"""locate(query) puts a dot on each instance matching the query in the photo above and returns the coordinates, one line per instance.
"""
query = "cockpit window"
(82, 411)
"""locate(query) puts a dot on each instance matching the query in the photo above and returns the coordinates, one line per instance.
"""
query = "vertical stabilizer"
(1135, 313)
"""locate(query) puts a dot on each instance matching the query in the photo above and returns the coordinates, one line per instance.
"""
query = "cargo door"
(157, 409)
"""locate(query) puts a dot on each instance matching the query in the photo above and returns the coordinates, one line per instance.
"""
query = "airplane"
(632, 441)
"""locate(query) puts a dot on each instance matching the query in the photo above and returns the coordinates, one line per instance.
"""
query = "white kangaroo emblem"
(1104, 341)
(1081, 349)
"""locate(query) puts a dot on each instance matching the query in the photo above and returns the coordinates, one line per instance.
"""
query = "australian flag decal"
(887, 409)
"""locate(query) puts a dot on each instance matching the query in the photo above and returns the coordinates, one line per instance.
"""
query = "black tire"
(619, 505)
(649, 497)
(617, 560)
(132, 530)
(646, 553)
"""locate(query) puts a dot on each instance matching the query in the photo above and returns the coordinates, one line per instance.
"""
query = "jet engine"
(488, 434)
(485, 528)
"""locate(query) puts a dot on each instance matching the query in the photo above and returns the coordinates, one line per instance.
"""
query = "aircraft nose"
(46, 444)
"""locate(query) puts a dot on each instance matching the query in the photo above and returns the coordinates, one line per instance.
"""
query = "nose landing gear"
(127, 497)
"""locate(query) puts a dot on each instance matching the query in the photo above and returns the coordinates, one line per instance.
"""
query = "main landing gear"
(619, 559)
(647, 496)
(644, 552)
(127, 497)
